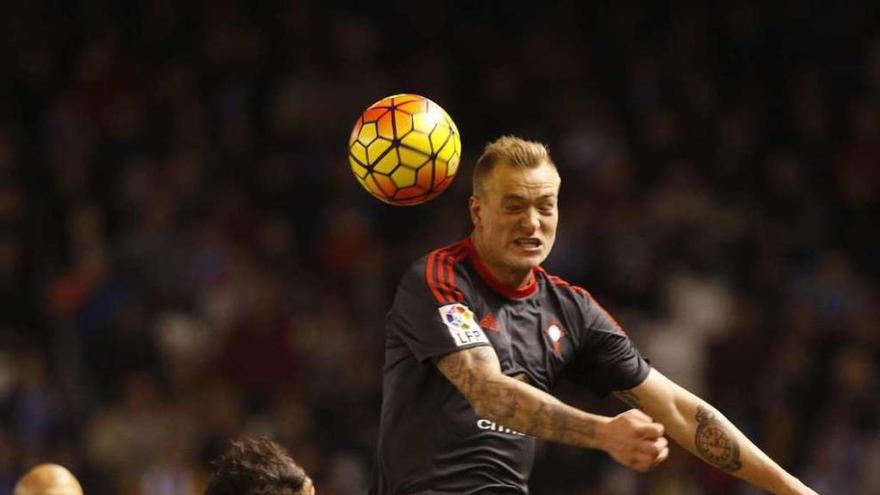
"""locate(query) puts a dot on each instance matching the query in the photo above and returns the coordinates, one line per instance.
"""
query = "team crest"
(556, 333)
(460, 322)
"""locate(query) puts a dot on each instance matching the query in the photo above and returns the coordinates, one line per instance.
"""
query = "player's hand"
(633, 439)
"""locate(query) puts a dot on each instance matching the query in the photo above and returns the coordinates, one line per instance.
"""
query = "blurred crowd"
(185, 256)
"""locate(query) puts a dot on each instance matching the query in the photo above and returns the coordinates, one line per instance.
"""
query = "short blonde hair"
(513, 151)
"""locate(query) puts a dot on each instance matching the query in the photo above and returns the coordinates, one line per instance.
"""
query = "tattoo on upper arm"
(462, 368)
(483, 354)
(629, 397)
(714, 443)
(467, 370)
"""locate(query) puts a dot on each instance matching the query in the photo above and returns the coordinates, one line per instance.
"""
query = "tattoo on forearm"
(714, 443)
(551, 421)
(523, 409)
(629, 397)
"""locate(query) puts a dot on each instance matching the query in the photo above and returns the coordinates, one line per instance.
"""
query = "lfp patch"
(461, 324)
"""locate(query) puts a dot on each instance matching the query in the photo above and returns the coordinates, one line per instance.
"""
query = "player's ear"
(475, 210)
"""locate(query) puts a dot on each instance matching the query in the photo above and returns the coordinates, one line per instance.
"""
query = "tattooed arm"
(632, 438)
(705, 432)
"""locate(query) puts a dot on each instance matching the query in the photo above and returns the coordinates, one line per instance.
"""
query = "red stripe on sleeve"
(454, 293)
(446, 277)
(440, 266)
(429, 277)
(440, 273)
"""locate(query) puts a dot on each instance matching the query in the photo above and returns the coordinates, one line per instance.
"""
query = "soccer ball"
(404, 149)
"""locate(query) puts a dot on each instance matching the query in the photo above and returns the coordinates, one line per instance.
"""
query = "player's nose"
(531, 221)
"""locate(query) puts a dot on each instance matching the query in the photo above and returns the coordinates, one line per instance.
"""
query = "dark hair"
(510, 150)
(255, 466)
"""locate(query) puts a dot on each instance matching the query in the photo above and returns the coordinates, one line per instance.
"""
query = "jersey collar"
(496, 285)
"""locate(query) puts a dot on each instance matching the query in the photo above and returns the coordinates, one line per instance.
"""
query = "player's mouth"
(529, 244)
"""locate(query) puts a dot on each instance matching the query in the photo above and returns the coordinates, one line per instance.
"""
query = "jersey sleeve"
(432, 313)
(607, 360)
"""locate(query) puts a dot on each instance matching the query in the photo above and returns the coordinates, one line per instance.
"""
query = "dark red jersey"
(431, 441)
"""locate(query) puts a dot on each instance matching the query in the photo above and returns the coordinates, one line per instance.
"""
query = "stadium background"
(185, 255)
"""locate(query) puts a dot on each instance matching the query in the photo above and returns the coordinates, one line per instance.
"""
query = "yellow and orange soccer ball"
(404, 149)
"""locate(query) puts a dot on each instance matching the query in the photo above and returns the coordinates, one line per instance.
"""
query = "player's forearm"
(529, 410)
(477, 374)
(705, 432)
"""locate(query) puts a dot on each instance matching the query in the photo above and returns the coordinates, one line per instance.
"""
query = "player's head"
(48, 479)
(514, 204)
(257, 466)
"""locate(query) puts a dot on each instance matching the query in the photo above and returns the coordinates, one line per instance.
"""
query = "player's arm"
(632, 438)
(700, 428)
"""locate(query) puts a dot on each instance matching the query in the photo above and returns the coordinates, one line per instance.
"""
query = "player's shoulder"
(442, 271)
(574, 296)
(450, 255)
(563, 287)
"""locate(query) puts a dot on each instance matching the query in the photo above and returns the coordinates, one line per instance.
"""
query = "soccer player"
(48, 479)
(479, 332)
(258, 466)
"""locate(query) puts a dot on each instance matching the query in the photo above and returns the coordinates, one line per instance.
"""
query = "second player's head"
(48, 479)
(514, 207)
(257, 466)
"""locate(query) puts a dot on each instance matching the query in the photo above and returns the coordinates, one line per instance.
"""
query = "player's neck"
(510, 278)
